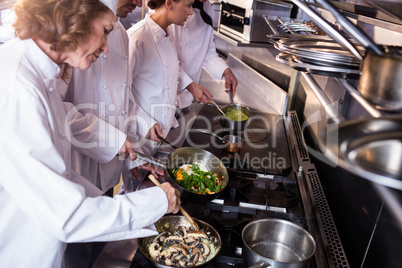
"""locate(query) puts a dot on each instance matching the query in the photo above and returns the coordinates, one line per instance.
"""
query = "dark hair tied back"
(152, 4)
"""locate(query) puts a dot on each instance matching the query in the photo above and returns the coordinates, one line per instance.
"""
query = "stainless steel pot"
(190, 155)
(235, 126)
(381, 79)
(171, 223)
(277, 243)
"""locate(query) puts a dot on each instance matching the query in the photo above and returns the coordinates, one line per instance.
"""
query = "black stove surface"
(265, 148)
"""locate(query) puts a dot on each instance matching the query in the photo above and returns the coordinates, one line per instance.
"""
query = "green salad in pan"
(197, 179)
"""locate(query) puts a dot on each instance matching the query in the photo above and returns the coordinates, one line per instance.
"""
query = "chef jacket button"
(123, 112)
(63, 135)
(105, 87)
(157, 42)
(166, 108)
(177, 82)
(104, 56)
(184, 44)
(166, 65)
(125, 57)
(112, 107)
(50, 89)
(123, 85)
(178, 62)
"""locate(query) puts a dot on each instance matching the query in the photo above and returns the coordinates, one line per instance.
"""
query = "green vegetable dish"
(197, 179)
(236, 115)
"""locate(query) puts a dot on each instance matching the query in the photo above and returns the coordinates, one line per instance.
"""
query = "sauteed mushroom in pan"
(178, 245)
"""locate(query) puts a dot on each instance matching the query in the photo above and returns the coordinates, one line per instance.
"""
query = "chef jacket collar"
(156, 30)
(47, 67)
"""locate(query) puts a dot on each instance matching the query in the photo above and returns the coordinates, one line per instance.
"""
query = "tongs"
(165, 141)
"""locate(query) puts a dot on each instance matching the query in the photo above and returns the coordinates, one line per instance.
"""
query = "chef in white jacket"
(196, 49)
(104, 91)
(154, 63)
(41, 208)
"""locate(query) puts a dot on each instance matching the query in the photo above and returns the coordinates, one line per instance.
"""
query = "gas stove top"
(265, 148)
(261, 184)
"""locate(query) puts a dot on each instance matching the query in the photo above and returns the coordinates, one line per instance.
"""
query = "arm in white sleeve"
(184, 79)
(33, 177)
(92, 136)
(214, 64)
(90, 189)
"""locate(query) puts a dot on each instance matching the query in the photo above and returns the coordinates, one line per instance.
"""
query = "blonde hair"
(61, 23)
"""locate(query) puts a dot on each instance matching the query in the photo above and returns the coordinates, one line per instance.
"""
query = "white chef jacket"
(105, 89)
(41, 209)
(155, 71)
(195, 48)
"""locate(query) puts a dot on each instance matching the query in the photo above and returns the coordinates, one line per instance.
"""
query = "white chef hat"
(111, 4)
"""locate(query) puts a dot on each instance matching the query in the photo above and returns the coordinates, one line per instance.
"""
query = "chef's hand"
(198, 93)
(230, 81)
(127, 150)
(153, 131)
(154, 171)
(173, 196)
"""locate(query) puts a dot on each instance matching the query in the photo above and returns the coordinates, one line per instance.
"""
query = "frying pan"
(190, 155)
(171, 223)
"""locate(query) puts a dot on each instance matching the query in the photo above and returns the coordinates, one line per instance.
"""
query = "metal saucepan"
(190, 155)
(277, 243)
(171, 223)
(236, 126)
(381, 79)
(233, 143)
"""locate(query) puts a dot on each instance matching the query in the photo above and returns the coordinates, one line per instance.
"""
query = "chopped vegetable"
(197, 179)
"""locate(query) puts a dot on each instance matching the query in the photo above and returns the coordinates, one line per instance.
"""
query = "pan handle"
(231, 96)
(211, 133)
(260, 264)
(151, 160)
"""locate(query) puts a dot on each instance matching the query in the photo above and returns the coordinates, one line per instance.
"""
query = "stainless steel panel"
(254, 90)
